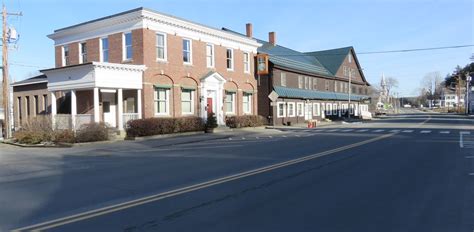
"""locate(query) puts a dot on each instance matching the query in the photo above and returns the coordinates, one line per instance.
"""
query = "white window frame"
(81, 53)
(335, 109)
(124, 46)
(246, 62)
(167, 101)
(300, 82)
(292, 112)
(282, 106)
(234, 95)
(306, 82)
(316, 109)
(249, 97)
(190, 62)
(63, 54)
(165, 47)
(300, 109)
(192, 92)
(102, 50)
(231, 59)
(315, 83)
(283, 79)
(211, 56)
(329, 108)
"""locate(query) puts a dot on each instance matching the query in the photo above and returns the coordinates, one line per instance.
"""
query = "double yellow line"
(144, 200)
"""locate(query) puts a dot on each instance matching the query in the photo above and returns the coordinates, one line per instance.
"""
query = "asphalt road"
(409, 172)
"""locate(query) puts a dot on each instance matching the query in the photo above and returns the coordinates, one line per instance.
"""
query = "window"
(335, 86)
(327, 85)
(128, 50)
(246, 62)
(334, 109)
(187, 51)
(230, 59)
(345, 72)
(45, 103)
(83, 53)
(37, 110)
(130, 105)
(283, 79)
(300, 82)
(341, 87)
(291, 109)
(309, 80)
(66, 55)
(247, 103)
(210, 55)
(281, 112)
(28, 110)
(346, 87)
(315, 83)
(316, 109)
(229, 102)
(299, 109)
(328, 109)
(187, 101)
(160, 47)
(161, 99)
(349, 57)
(104, 43)
(19, 108)
(306, 82)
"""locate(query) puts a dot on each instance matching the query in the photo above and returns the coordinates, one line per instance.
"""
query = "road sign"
(273, 96)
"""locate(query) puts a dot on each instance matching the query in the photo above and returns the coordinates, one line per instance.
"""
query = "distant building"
(451, 99)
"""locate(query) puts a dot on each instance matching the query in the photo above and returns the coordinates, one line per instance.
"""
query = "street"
(406, 172)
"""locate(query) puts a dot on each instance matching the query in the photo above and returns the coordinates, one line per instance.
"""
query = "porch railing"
(63, 121)
(82, 119)
(129, 116)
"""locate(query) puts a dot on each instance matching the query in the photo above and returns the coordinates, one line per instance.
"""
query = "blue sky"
(303, 25)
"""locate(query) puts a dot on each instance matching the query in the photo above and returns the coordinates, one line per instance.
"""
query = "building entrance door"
(109, 109)
(308, 111)
(209, 105)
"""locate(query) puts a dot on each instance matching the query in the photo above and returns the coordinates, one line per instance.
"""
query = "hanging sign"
(262, 64)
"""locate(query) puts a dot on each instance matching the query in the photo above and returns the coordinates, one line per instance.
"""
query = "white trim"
(249, 97)
(63, 55)
(190, 62)
(193, 92)
(248, 62)
(165, 46)
(30, 83)
(234, 95)
(334, 108)
(291, 113)
(124, 46)
(108, 90)
(213, 61)
(281, 107)
(101, 49)
(300, 106)
(167, 102)
(316, 109)
(231, 59)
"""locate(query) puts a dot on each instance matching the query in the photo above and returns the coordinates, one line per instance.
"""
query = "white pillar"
(73, 109)
(53, 109)
(120, 109)
(139, 103)
(96, 105)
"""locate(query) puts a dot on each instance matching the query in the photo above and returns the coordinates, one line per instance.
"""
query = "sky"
(302, 25)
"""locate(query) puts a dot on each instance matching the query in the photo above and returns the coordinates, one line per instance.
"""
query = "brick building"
(142, 63)
(313, 85)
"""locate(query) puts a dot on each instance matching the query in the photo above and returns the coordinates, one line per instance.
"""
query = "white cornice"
(156, 21)
(121, 67)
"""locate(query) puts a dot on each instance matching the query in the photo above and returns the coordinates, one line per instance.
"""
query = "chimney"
(249, 30)
(272, 38)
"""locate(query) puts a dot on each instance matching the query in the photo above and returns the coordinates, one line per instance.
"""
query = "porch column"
(73, 109)
(96, 105)
(120, 109)
(139, 103)
(53, 109)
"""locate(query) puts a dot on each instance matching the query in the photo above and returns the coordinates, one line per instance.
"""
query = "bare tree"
(391, 83)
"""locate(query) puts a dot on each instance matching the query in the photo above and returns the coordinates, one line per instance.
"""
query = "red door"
(209, 105)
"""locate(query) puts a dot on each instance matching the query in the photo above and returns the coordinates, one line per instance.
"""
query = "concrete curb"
(163, 136)
(59, 145)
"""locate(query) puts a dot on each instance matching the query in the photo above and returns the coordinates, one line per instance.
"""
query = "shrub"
(245, 121)
(63, 136)
(157, 126)
(92, 132)
(211, 121)
(35, 130)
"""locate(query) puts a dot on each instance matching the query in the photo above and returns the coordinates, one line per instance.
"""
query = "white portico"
(212, 96)
(95, 92)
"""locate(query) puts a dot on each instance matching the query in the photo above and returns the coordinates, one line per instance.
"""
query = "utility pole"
(466, 101)
(6, 85)
(350, 91)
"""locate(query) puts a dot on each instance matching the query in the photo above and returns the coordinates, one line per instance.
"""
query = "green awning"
(162, 86)
(189, 87)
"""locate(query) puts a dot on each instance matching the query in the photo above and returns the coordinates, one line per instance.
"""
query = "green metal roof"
(331, 59)
(314, 94)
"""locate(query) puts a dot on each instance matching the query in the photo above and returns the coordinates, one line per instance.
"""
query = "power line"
(380, 52)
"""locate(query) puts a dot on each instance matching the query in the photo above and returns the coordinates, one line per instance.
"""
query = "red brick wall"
(58, 56)
(93, 50)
